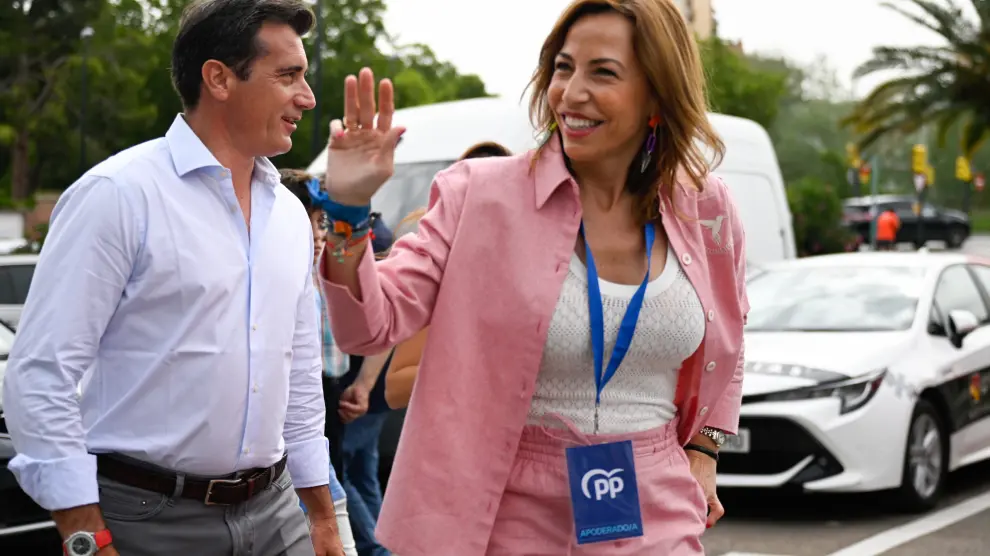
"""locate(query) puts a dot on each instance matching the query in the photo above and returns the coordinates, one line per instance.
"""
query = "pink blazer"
(484, 271)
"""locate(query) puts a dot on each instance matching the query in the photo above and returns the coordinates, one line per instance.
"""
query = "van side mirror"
(960, 324)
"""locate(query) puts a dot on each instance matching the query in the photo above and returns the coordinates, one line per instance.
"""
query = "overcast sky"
(501, 45)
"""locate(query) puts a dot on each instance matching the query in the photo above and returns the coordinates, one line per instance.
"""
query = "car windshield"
(834, 299)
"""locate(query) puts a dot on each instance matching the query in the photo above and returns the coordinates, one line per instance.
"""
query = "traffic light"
(864, 174)
(963, 171)
(852, 155)
(919, 159)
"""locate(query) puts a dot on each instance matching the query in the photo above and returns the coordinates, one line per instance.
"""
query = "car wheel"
(925, 460)
(957, 236)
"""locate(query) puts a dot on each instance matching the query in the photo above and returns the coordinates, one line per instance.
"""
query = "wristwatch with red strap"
(84, 543)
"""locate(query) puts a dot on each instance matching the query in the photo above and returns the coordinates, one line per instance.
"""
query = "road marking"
(902, 534)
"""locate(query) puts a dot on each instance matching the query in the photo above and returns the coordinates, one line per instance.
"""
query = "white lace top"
(640, 395)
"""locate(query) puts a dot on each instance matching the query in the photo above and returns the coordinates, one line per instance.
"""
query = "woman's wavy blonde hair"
(484, 149)
(669, 56)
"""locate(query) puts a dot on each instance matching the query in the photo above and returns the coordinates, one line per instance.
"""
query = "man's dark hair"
(295, 181)
(227, 31)
(485, 150)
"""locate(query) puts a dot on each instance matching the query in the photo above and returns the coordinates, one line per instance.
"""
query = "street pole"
(874, 178)
(316, 144)
(86, 33)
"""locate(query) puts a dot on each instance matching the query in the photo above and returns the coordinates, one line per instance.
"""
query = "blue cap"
(383, 238)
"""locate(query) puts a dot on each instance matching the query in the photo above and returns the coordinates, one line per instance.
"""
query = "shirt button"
(254, 388)
(686, 258)
(711, 315)
(247, 451)
(254, 327)
(704, 410)
(710, 366)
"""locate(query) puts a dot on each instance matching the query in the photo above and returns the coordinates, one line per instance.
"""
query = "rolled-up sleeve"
(725, 414)
(93, 241)
(305, 417)
(398, 294)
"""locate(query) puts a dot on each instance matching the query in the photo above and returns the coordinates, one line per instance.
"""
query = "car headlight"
(853, 393)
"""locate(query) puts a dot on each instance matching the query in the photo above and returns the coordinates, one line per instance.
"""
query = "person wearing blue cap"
(305, 186)
(363, 410)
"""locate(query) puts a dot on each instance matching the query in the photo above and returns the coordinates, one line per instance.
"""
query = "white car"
(864, 372)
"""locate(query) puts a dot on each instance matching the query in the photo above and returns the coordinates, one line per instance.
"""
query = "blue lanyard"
(626, 329)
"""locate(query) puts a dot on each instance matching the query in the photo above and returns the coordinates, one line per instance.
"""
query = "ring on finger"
(351, 125)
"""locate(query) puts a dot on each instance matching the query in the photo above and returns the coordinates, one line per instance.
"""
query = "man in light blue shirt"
(177, 277)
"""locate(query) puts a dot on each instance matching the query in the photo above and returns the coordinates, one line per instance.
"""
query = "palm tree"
(941, 85)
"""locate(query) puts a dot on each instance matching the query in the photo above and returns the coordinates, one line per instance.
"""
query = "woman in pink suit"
(585, 300)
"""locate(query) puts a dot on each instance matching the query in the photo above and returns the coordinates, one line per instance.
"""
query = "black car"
(935, 223)
(18, 512)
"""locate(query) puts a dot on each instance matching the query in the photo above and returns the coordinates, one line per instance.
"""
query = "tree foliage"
(129, 95)
(743, 86)
(942, 84)
(817, 210)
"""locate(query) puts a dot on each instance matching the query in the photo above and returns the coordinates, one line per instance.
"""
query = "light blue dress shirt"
(199, 341)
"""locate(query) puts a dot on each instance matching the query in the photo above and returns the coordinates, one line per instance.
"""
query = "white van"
(437, 134)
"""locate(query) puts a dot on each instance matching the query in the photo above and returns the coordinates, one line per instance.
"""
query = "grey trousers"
(145, 523)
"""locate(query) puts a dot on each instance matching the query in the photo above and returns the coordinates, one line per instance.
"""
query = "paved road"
(759, 524)
(978, 245)
(802, 525)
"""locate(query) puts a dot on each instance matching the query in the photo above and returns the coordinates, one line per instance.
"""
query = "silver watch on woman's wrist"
(717, 436)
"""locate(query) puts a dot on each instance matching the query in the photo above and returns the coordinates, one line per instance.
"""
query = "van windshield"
(407, 190)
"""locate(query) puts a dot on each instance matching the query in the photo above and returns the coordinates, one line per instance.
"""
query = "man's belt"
(212, 492)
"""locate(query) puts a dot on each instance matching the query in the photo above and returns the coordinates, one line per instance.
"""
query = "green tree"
(130, 94)
(817, 211)
(120, 106)
(351, 41)
(744, 87)
(38, 38)
(942, 85)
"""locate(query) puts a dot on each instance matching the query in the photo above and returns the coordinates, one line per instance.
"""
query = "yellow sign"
(930, 176)
(919, 159)
(852, 155)
(963, 171)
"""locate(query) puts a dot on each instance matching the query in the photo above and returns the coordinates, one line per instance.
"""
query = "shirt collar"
(550, 171)
(190, 154)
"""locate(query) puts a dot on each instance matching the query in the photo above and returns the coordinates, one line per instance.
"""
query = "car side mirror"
(960, 324)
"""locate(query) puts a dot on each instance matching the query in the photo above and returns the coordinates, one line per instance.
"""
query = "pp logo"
(605, 482)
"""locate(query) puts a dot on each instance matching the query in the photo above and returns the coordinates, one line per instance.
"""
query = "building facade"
(699, 15)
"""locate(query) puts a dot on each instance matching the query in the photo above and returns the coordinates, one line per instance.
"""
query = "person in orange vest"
(887, 226)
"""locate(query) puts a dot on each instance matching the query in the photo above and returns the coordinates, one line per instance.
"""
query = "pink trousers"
(535, 519)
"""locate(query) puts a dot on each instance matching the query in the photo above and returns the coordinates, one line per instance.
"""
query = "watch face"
(81, 545)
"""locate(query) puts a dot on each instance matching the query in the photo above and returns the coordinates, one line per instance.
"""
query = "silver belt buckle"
(213, 483)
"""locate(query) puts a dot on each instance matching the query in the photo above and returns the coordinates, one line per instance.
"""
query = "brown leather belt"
(212, 492)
